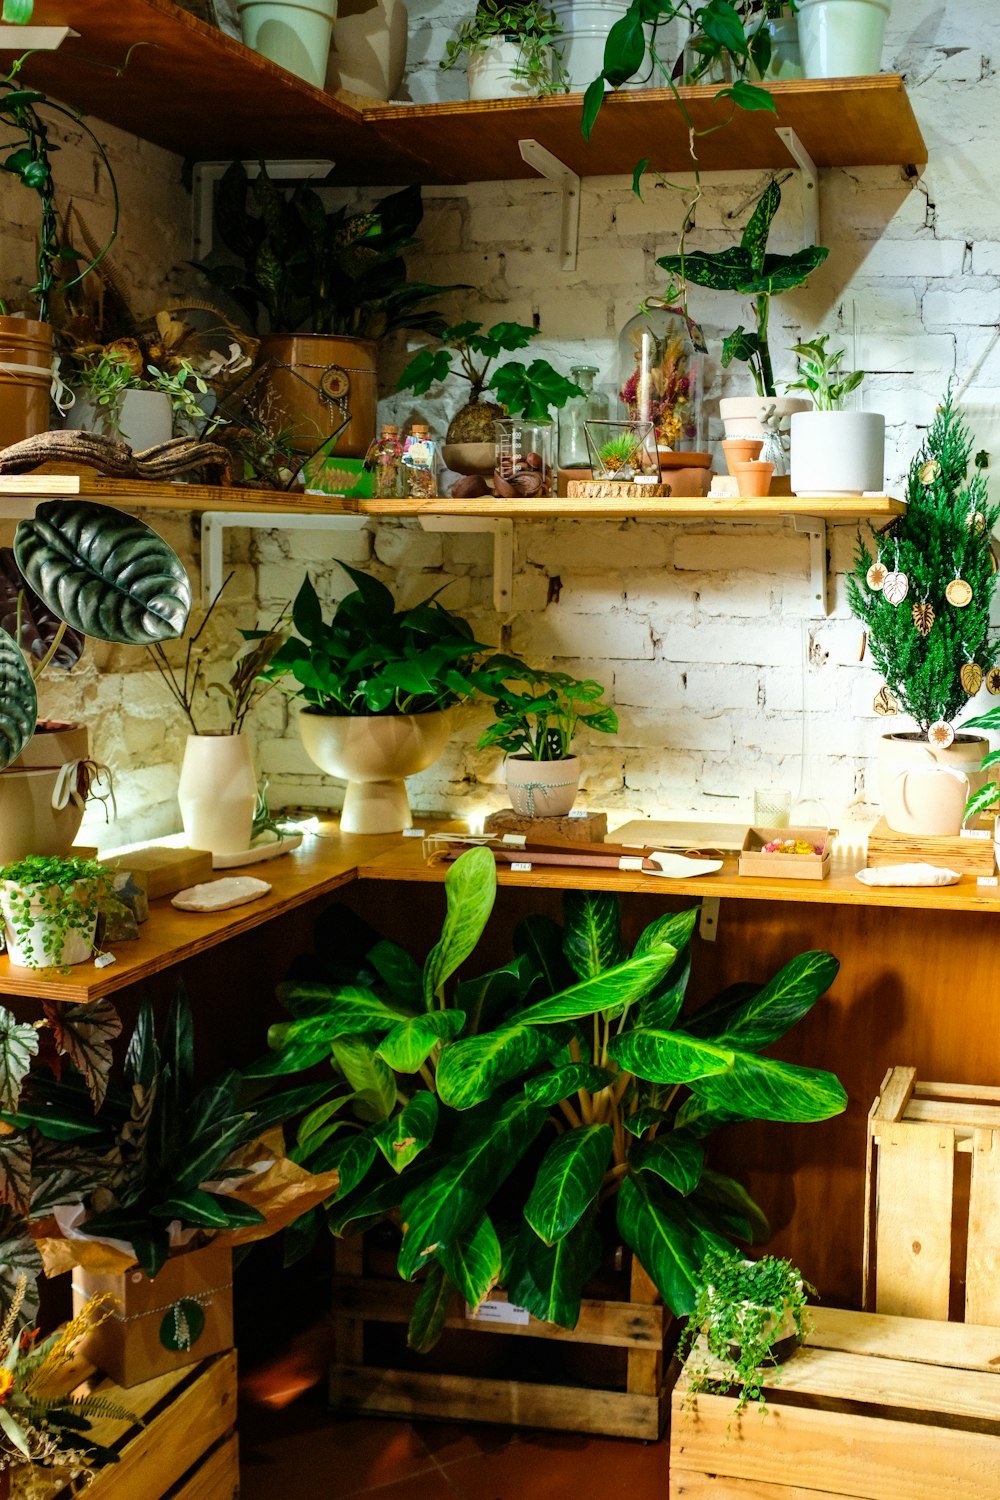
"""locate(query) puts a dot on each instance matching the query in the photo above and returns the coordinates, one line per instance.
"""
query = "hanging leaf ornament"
(885, 703)
(958, 593)
(941, 734)
(895, 587)
(929, 471)
(923, 617)
(876, 576)
(976, 522)
(993, 681)
(971, 678)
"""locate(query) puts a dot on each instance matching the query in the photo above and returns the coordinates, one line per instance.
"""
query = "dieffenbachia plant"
(513, 1121)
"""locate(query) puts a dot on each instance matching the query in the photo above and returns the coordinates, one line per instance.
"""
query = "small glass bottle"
(383, 459)
(573, 453)
(420, 462)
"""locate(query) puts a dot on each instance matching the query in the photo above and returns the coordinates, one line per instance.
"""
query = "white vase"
(34, 947)
(374, 753)
(295, 34)
(923, 788)
(143, 419)
(842, 38)
(542, 788)
(492, 71)
(368, 53)
(217, 792)
(585, 26)
(837, 452)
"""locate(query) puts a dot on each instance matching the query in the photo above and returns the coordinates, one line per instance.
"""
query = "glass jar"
(420, 462)
(660, 375)
(524, 458)
(383, 460)
(786, 59)
(623, 452)
(593, 405)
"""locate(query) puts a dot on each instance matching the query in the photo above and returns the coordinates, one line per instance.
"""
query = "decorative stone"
(219, 895)
(131, 894)
(116, 922)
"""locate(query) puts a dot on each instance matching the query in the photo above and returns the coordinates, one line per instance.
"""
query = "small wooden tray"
(753, 860)
(615, 489)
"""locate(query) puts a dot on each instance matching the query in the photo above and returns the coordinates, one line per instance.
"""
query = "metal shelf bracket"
(568, 184)
(215, 524)
(816, 531)
(810, 183)
(503, 550)
(205, 175)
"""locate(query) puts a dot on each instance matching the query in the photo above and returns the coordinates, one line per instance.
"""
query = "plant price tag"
(975, 833)
(987, 880)
(498, 1311)
(520, 865)
(413, 833)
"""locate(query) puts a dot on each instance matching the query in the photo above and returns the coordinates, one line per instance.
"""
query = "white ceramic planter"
(842, 38)
(542, 788)
(923, 788)
(217, 792)
(368, 53)
(34, 948)
(145, 418)
(837, 452)
(373, 754)
(585, 26)
(295, 34)
(492, 71)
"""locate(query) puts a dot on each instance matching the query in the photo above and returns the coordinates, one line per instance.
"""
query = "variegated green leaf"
(549, 1088)
(430, 1309)
(472, 1261)
(472, 1070)
(18, 701)
(410, 1043)
(368, 1076)
(351, 1156)
(400, 972)
(549, 1279)
(470, 890)
(673, 930)
(18, 1045)
(655, 1227)
(568, 1180)
(763, 1089)
(726, 1203)
(591, 937)
(672, 1155)
(410, 1132)
(350, 1008)
(661, 1008)
(539, 939)
(749, 1021)
(755, 235)
(489, 995)
(609, 992)
(663, 1056)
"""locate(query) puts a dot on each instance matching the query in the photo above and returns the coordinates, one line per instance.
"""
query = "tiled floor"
(305, 1453)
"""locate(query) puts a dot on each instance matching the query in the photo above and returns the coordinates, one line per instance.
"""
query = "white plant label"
(498, 1312)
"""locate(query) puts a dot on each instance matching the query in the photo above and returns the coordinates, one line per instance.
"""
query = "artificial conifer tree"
(924, 594)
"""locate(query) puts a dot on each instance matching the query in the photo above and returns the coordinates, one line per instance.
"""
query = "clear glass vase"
(623, 451)
(660, 375)
(573, 451)
(524, 458)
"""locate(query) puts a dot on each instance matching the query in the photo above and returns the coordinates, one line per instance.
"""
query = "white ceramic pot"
(144, 419)
(923, 788)
(217, 792)
(41, 809)
(373, 754)
(842, 38)
(766, 417)
(492, 71)
(542, 788)
(35, 946)
(837, 452)
(295, 34)
(585, 26)
(368, 54)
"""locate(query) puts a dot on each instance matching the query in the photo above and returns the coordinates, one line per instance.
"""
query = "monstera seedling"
(79, 569)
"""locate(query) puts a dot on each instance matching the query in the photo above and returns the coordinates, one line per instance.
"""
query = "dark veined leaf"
(725, 1203)
(400, 971)
(15, 1171)
(591, 936)
(673, 930)
(295, 1057)
(380, 1194)
(18, 1045)
(18, 701)
(762, 1017)
(84, 1033)
(104, 573)
(764, 1089)
(488, 995)
(39, 627)
(207, 1210)
(315, 1124)
(348, 1009)
(410, 1043)
(549, 1279)
(663, 1056)
(568, 1180)
(351, 1157)
(472, 1261)
(549, 1088)
(539, 939)
(367, 1074)
(472, 1070)
(674, 1156)
(63, 1174)
(470, 890)
(661, 1008)
(19, 1257)
(699, 1120)
(610, 992)
(655, 1226)
(279, 1109)
(208, 1152)
(407, 1134)
(430, 1309)
(712, 1018)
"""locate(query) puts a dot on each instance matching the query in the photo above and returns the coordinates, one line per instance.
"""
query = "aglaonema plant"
(515, 1123)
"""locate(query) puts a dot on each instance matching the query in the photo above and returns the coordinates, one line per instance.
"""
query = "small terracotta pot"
(753, 478)
(741, 451)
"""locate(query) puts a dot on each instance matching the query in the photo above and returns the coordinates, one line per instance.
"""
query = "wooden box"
(591, 828)
(932, 1210)
(184, 1314)
(968, 855)
(753, 860)
(872, 1408)
(162, 872)
(637, 1330)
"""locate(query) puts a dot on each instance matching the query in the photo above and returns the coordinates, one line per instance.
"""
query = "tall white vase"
(217, 792)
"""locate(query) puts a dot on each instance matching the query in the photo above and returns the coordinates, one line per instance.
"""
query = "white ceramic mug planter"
(838, 452)
(217, 792)
(842, 38)
(923, 788)
(542, 788)
(374, 754)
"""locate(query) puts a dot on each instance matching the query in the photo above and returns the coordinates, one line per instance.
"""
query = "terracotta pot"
(923, 788)
(313, 381)
(373, 754)
(765, 417)
(542, 788)
(368, 55)
(41, 810)
(752, 478)
(217, 792)
(741, 451)
(25, 378)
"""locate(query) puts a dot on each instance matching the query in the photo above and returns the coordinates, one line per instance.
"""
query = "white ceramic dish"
(916, 873)
(681, 867)
(265, 848)
(219, 895)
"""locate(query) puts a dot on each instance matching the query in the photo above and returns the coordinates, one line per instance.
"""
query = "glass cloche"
(660, 374)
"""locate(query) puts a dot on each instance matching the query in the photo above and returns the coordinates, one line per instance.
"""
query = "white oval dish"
(218, 895)
(917, 873)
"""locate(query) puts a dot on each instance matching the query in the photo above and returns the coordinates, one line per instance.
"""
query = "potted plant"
(377, 685)
(623, 452)
(117, 392)
(749, 270)
(752, 1314)
(509, 50)
(50, 908)
(922, 593)
(331, 284)
(538, 714)
(834, 452)
(292, 34)
(560, 1102)
(841, 38)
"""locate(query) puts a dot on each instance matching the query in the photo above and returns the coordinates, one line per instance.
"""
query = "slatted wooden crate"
(871, 1408)
(640, 1330)
(183, 1445)
(932, 1211)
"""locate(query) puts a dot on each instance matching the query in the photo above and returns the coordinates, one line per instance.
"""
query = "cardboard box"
(753, 860)
(185, 1314)
(163, 872)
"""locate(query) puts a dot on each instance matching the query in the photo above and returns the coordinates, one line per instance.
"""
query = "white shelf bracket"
(568, 183)
(502, 532)
(816, 531)
(810, 183)
(215, 524)
(33, 38)
(205, 175)
(708, 921)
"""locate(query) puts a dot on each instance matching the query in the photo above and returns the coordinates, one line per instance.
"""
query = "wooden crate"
(969, 856)
(183, 1444)
(932, 1208)
(871, 1408)
(641, 1328)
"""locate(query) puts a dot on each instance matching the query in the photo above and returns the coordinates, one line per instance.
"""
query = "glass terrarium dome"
(660, 374)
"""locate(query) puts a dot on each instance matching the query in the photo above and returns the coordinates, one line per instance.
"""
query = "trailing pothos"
(514, 1121)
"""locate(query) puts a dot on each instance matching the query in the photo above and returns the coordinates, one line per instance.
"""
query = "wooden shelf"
(694, 508)
(135, 494)
(189, 87)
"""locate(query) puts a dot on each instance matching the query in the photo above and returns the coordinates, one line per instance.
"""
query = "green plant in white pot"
(50, 908)
(834, 451)
(118, 393)
(509, 50)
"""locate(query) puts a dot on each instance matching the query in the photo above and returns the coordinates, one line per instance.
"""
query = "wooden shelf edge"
(696, 508)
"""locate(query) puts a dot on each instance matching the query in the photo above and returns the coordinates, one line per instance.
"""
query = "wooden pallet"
(968, 855)
(183, 1445)
(871, 1408)
(932, 1207)
(636, 1407)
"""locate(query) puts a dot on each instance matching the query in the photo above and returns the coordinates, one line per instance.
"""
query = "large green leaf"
(407, 1134)
(568, 1180)
(15, 1171)
(367, 1074)
(410, 1043)
(18, 701)
(591, 937)
(400, 971)
(549, 1088)
(349, 1008)
(764, 1089)
(472, 1070)
(450, 1203)
(655, 1227)
(748, 1022)
(661, 1008)
(470, 890)
(610, 992)
(472, 1261)
(674, 1156)
(663, 1056)
(549, 1279)
(65, 1174)
(103, 572)
(18, 1045)
(430, 1309)
(381, 1193)
(726, 1203)
(673, 930)
(489, 995)
(539, 939)
(85, 1034)
(207, 1210)
(208, 1152)
(351, 1157)
(19, 1257)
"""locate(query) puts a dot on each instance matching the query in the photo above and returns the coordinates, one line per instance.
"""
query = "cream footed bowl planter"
(923, 788)
(373, 754)
(217, 792)
(542, 788)
(838, 452)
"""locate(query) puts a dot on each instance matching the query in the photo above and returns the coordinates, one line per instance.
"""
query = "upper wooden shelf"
(137, 494)
(189, 87)
(683, 508)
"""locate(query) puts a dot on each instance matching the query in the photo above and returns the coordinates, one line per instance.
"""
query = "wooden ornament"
(971, 678)
(993, 681)
(885, 704)
(895, 587)
(876, 576)
(923, 617)
(941, 734)
(929, 471)
(976, 522)
(958, 593)
(864, 645)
